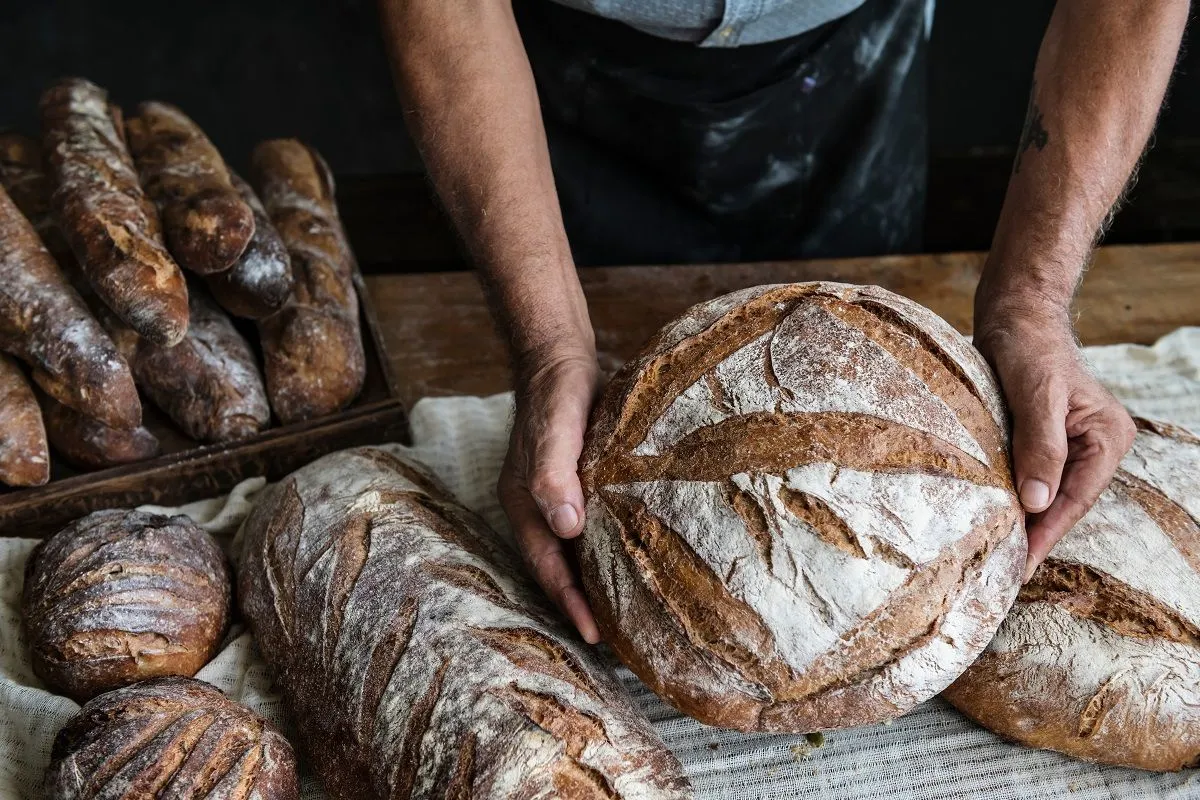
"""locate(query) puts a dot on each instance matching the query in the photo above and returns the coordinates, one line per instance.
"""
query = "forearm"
(472, 107)
(1099, 82)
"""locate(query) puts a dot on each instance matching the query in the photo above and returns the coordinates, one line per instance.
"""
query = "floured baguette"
(312, 347)
(206, 222)
(209, 383)
(112, 227)
(45, 323)
(414, 657)
(88, 443)
(24, 459)
(260, 282)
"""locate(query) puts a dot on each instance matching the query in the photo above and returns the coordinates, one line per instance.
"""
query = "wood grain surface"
(438, 333)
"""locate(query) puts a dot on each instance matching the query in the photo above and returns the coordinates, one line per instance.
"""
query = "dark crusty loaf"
(45, 323)
(23, 176)
(1100, 656)
(170, 738)
(88, 443)
(800, 513)
(312, 347)
(119, 596)
(261, 281)
(206, 221)
(111, 225)
(24, 459)
(208, 384)
(415, 659)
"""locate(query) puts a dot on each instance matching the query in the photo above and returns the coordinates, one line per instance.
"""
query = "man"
(704, 130)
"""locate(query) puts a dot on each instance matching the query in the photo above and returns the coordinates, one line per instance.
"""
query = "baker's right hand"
(539, 482)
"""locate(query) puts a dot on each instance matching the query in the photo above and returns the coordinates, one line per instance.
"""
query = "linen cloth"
(933, 753)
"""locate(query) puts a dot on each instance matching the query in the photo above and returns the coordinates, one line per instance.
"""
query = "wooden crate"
(187, 471)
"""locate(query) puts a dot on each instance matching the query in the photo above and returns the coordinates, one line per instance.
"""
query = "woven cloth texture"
(933, 753)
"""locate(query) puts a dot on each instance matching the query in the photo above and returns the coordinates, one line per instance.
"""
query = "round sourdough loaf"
(120, 596)
(1100, 656)
(169, 738)
(800, 513)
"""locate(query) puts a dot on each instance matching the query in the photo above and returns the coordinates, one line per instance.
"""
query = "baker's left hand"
(1069, 432)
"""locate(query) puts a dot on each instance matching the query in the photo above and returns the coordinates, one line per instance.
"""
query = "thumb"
(554, 441)
(1039, 446)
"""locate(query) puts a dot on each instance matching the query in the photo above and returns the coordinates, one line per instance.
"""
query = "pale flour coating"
(1100, 656)
(416, 660)
(800, 513)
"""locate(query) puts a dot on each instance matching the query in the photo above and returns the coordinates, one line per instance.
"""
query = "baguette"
(45, 323)
(24, 459)
(261, 281)
(208, 384)
(112, 227)
(206, 221)
(312, 347)
(88, 443)
(23, 176)
(416, 660)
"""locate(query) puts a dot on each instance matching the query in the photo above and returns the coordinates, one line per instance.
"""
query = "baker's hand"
(1069, 432)
(539, 483)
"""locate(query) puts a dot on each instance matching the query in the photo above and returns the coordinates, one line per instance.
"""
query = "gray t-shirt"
(720, 23)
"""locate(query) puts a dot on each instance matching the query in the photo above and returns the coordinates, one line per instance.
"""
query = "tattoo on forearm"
(1034, 133)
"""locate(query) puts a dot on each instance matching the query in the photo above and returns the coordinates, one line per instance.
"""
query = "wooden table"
(440, 338)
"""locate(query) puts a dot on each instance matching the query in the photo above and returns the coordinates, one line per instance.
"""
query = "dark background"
(246, 70)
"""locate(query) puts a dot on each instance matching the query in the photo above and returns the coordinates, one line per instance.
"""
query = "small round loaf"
(800, 511)
(120, 596)
(170, 737)
(1100, 656)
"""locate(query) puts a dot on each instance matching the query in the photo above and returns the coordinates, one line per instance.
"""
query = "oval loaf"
(800, 512)
(169, 738)
(119, 596)
(1100, 656)
(415, 659)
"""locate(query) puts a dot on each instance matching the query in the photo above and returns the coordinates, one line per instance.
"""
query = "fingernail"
(563, 519)
(1035, 495)
(1030, 568)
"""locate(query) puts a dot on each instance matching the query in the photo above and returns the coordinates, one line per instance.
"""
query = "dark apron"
(665, 152)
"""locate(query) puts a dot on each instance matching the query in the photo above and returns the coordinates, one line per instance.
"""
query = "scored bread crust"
(119, 596)
(169, 737)
(1100, 656)
(800, 512)
(112, 227)
(416, 659)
